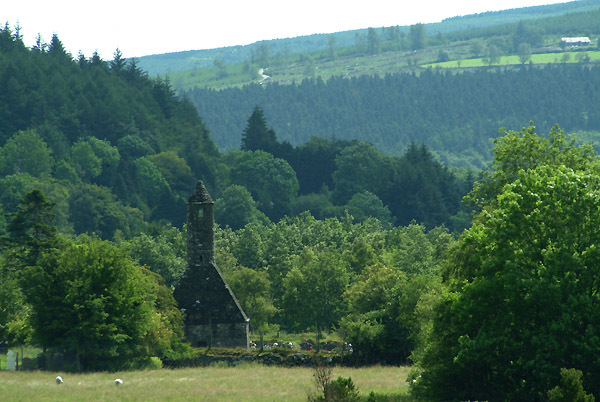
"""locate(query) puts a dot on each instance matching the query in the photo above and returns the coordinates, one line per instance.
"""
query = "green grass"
(292, 69)
(544, 58)
(251, 382)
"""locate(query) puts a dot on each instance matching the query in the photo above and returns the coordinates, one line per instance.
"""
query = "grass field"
(251, 382)
(544, 58)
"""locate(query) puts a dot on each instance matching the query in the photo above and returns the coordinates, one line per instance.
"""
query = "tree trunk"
(262, 343)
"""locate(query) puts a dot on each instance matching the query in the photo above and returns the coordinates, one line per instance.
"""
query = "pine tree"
(256, 135)
(30, 230)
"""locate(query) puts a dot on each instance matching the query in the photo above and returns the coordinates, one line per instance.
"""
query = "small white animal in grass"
(59, 380)
(118, 382)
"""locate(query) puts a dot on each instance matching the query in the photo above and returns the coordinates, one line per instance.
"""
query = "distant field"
(244, 383)
(545, 58)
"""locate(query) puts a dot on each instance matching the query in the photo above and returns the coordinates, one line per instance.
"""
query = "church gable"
(207, 297)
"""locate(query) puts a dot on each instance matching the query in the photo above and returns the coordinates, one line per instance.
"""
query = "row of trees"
(109, 305)
(556, 20)
(256, 186)
(336, 176)
(507, 34)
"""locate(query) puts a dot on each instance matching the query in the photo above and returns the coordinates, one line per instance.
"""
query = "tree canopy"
(91, 302)
(523, 281)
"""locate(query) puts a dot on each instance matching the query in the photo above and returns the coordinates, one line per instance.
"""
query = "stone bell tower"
(200, 231)
(213, 316)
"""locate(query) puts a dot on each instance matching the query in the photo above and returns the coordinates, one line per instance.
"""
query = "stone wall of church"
(218, 335)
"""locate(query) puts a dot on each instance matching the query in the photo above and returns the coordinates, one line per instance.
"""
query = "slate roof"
(200, 194)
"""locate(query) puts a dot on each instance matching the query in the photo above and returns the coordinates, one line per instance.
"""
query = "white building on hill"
(578, 41)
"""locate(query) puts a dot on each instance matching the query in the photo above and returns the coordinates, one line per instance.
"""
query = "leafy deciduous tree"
(85, 161)
(417, 36)
(313, 290)
(524, 281)
(271, 181)
(175, 170)
(26, 152)
(164, 253)
(91, 301)
(236, 208)
(253, 290)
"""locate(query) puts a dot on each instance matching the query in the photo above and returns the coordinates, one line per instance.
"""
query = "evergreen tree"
(30, 229)
(256, 135)
(56, 48)
(118, 63)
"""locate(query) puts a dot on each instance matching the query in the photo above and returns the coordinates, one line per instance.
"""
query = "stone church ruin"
(213, 316)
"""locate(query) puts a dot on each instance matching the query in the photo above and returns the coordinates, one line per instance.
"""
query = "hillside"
(456, 115)
(169, 63)
(110, 146)
(449, 84)
(117, 153)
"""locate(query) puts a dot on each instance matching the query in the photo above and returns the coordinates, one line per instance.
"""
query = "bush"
(154, 363)
(342, 389)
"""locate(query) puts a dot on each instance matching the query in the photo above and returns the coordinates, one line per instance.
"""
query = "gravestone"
(11, 361)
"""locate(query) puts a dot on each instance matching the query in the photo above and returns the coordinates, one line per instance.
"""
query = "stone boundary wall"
(269, 359)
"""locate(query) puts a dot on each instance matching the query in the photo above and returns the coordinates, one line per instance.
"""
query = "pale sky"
(140, 28)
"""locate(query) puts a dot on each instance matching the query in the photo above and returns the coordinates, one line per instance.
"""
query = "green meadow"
(542, 58)
(248, 382)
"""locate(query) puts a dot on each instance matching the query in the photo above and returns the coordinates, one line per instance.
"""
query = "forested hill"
(456, 115)
(106, 143)
(117, 153)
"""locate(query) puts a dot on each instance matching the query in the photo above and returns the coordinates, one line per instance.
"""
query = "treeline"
(108, 305)
(455, 115)
(115, 149)
(505, 30)
(336, 177)
(569, 24)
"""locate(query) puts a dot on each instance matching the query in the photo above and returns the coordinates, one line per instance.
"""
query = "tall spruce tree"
(256, 135)
(30, 229)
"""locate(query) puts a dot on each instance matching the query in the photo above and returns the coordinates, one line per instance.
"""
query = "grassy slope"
(169, 63)
(544, 58)
(243, 383)
(290, 70)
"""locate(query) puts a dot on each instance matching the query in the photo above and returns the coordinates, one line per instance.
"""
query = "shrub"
(342, 389)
